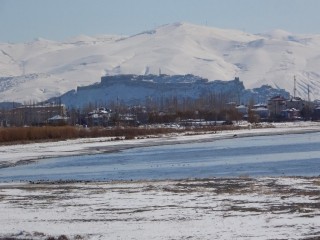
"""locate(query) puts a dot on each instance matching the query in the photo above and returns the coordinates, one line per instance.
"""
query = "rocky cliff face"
(137, 89)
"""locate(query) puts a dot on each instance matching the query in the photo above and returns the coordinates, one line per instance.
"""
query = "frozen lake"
(280, 155)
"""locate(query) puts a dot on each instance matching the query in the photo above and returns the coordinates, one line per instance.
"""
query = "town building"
(275, 106)
(262, 111)
(290, 114)
(242, 109)
(296, 103)
(99, 117)
(34, 115)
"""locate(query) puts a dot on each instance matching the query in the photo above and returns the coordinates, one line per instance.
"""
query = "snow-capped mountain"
(43, 69)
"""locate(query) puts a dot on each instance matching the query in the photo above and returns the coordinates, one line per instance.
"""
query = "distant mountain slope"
(43, 69)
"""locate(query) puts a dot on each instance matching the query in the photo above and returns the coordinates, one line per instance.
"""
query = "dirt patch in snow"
(224, 208)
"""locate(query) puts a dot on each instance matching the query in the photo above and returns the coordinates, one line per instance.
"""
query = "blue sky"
(25, 20)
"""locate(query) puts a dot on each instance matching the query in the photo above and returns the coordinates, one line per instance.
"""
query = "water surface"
(288, 155)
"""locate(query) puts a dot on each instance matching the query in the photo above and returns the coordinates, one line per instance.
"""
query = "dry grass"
(13, 135)
(33, 134)
(37, 133)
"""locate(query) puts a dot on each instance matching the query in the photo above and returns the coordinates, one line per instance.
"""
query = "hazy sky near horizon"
(25, 20)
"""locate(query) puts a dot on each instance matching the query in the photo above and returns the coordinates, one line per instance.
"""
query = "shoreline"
(242, 207)
(14, 155)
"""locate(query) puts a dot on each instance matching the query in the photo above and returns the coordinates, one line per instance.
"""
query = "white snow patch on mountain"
(43, 68)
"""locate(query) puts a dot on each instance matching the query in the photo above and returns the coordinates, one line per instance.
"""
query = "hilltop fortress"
(135, 89)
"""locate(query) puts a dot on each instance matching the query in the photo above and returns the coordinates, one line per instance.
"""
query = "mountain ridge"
(42, 69)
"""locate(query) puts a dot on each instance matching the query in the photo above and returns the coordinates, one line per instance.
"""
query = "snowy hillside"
(43, 69)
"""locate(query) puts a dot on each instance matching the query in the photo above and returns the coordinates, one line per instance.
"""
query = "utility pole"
(308, 104)
(294, 86)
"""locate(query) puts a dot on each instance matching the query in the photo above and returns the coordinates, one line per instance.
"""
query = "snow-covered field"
(240, 208)
(213, 208)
